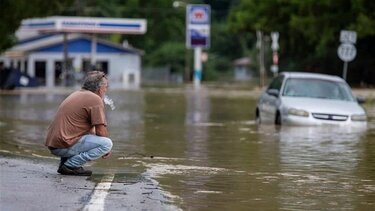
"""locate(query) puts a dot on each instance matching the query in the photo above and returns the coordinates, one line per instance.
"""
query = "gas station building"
(63, 49)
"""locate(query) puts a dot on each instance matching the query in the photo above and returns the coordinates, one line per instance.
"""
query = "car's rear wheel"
(278, 118)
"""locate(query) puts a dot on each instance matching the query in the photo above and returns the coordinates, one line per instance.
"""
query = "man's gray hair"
(93, 80)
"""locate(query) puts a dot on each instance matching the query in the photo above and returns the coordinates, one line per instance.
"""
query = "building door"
(24, 70)
(58, 72)
(103, 65)
(40, 72)
(131, 79)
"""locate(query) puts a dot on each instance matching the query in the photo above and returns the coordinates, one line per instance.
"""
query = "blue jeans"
(89, 147)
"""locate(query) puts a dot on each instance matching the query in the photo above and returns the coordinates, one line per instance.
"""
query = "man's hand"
(107, 155)
(101, 130)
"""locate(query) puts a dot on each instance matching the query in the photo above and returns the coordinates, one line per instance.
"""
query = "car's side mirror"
(273, 92)
(361, 100)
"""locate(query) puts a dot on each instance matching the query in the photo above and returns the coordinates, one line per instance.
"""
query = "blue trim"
(83, 45)
(198, 74)
(119, 25)
(79, 24)
(32, 39)
(51, 23)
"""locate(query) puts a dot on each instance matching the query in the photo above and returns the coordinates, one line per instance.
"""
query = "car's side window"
(276, 83)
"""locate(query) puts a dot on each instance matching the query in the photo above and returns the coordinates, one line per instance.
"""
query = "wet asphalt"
(33, 184)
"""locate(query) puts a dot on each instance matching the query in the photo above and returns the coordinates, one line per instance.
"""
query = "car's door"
(269, 100)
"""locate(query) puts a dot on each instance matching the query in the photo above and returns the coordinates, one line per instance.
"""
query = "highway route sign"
(347, 52)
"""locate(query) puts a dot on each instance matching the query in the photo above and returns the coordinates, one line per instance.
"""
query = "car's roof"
(312, 75)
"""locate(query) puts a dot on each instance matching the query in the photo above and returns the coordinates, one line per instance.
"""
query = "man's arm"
(101, 130)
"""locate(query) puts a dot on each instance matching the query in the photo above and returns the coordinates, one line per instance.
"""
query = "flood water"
(203, 151)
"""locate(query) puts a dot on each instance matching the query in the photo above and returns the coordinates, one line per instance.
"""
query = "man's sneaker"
(62, 161)
(65, 170)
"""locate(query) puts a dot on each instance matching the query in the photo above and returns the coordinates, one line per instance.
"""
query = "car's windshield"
(317, 88)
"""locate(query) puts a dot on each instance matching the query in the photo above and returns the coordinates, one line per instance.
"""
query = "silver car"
(296, 98)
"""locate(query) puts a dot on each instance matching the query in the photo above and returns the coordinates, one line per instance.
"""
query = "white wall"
(120, 66)
(121, 69)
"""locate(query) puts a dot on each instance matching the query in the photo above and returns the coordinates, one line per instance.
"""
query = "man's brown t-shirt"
(75, 117)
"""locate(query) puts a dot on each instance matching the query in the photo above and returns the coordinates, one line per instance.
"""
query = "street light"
(177, 4)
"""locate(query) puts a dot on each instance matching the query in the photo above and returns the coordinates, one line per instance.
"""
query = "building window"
(101, 65)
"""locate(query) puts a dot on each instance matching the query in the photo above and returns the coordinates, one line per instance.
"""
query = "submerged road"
(178, 149)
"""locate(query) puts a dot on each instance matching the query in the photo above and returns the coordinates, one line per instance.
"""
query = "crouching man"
(78, 132)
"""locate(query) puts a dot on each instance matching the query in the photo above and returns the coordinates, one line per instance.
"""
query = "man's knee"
(107, 144)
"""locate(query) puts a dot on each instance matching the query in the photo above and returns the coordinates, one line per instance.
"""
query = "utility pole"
(262, 68)
(187, 66)
(177, 4)
(65, 63)
(275, 55)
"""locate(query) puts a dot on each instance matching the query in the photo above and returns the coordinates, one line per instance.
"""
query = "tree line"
(309, 31)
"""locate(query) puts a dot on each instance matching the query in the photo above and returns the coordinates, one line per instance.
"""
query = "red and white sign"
(197, 26)
(198, 14)
(275, 57)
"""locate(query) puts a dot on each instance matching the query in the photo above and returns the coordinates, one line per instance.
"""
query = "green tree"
(13, 11)
(309, 30)
(171, 54)
(164, 42)
(165, 26)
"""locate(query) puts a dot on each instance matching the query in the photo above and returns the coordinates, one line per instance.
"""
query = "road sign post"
(275, 55)
(197, 67)
(262, 68)
(347, 51)
(197, 35)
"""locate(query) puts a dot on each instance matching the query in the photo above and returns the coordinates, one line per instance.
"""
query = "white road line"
(97, 200)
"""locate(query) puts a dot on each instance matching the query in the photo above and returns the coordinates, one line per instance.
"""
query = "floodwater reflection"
(205, 152)
(317, 165)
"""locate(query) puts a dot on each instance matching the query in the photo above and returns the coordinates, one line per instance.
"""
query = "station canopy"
(92, 25)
